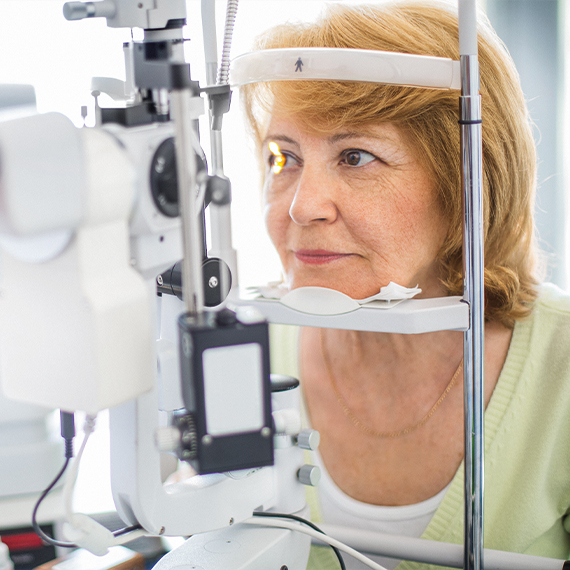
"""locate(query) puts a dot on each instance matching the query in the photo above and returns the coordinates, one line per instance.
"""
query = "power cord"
(308, 523)
(67, 420)
(319, 536)
(36, 526)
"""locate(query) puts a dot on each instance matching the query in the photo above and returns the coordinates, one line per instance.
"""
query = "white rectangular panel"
(233, 388)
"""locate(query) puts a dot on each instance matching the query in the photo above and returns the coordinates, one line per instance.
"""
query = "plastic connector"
(89, 534)
(219, 97)
(67, 420)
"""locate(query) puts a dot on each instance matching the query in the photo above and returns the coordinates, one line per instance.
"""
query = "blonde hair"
(429, 119)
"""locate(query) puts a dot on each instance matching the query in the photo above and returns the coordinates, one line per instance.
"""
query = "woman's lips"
(318, 256)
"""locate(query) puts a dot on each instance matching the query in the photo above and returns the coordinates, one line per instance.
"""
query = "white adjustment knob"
(167, 439)
(309, 439)
(287, 422)
(309, 475)
(81, 10)
(78, 10)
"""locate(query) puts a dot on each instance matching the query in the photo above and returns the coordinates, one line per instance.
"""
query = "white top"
(340, 509)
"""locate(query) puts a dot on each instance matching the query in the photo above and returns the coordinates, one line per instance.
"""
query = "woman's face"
(351, 210)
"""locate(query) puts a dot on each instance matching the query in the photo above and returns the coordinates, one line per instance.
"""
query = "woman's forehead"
(294, 130)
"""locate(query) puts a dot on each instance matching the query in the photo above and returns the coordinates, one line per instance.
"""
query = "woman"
(362, 186)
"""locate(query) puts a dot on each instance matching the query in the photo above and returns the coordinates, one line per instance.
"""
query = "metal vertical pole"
(473, 344)
(220, 215)
(184, 117)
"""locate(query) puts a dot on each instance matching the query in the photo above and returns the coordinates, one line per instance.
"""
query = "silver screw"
(207, 439)
(265, 432)
(213, 282)
(159, 280)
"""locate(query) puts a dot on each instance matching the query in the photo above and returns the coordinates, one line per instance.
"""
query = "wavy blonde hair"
(430, 120)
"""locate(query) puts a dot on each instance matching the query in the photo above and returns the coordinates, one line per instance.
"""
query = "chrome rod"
(473, 345)
(220, 215)
(431, 551)
(182, 101)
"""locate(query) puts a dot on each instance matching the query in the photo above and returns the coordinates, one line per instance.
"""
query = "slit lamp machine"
(94, 222)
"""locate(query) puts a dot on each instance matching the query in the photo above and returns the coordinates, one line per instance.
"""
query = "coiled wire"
(224, 69)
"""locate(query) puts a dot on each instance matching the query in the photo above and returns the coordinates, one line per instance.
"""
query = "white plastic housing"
(156, 242)
(75, 330)
(147, 14)
(337, 64)
(198, 504)
(42, 175)
(241, 546)
(201, 503)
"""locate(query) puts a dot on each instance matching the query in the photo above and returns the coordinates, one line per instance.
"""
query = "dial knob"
(309, 475)
(309, 439)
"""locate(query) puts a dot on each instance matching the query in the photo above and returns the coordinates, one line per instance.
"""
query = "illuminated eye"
(278, 159)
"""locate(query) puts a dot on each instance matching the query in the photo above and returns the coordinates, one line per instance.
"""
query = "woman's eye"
(279, 160)
(357, 157)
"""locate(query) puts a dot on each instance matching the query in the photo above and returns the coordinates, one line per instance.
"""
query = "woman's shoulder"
(539, 351)
(550, 317)
(553, 299)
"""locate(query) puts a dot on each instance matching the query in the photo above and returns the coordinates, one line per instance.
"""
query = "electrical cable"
(36, 526)
(127, 536)
(319, 536)
(68, 432)
(308, 523)
(127, 529)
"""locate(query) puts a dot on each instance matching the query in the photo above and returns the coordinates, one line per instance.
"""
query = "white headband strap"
(339, 64)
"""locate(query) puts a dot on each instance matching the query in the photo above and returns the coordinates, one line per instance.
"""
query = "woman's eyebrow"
(358, 135)
(283, 138)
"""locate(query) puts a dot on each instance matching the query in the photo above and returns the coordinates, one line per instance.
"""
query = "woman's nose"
(313, 200)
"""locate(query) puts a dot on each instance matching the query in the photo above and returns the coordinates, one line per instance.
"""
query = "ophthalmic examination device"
(111, 299)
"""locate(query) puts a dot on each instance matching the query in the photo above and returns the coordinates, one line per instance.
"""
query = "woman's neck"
(400, 360)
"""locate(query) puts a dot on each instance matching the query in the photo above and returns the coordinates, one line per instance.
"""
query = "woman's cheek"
(274, 222)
